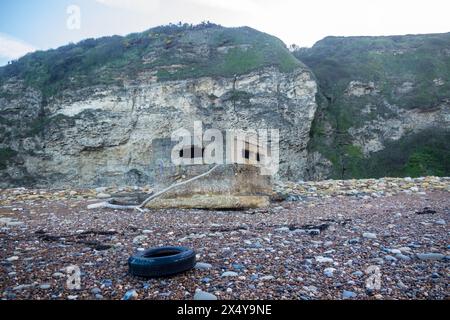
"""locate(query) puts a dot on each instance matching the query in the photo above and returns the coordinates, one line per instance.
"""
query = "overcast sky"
(27, 25)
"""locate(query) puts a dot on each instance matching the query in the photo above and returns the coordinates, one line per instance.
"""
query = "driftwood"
(140, 207)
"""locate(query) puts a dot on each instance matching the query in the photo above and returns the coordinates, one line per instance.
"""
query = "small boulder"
(202, 295)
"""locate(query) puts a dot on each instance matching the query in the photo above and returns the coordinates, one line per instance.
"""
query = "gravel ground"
(327, 242)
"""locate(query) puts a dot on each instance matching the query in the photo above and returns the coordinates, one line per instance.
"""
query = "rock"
(348, 294)
(22, 287)
(72, 297)
(146, 231)
(118, 245)
(12, 259)
(402, 286)
(229, 274)
(254, 277)
(321, 259)
(238, 266)
(293, 198)
(370, 292)
(99, 133)
(405, 249)
(103, 196)
(146, 285)
(430, 256)
(329, 272)
(395, 251)
(14, 223)
(45, 286)
(140, 239)
(202, 266)
(435, 275)
(10, 295)
(98, 296)
(312, 289)
(369, 235)
(130, 295)
(202, 295)
(440, 222)
(328, 244)
(390, 258)
(267, 278)
(58, 275)
(107, 283)
(206, 280)
(358, 274)
(95, 291)
(378, 260)
(402, 257)
(353, 241)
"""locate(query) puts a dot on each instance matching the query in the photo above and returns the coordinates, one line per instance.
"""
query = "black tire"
(161, 262)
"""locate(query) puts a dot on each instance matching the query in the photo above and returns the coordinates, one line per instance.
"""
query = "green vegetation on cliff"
(361, 79)
(5, 155)
(408, 72)
(172, 52)
(423, 154)
(392, 63)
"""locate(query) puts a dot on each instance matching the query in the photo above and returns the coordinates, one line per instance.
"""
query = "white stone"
(329, 272)
(140, 239)
(267, 278)
(321, 259)
(13, 258)
(369, 235)
(229, 274)
(203, 266)
(103, 196)
(201, 295)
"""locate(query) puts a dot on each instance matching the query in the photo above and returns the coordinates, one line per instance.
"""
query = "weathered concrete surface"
(227, 187)
(211, 202)
(226, 179)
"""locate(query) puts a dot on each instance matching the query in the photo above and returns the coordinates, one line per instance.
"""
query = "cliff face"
(86, 114)
(384, 106)
(101, 134)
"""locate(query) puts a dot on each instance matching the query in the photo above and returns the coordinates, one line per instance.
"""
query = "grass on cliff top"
(387, 61)
(110, 60)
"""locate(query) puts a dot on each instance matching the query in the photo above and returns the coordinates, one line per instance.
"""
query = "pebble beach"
(355, 239)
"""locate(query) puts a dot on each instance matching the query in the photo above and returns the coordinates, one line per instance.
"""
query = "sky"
(29, 25)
